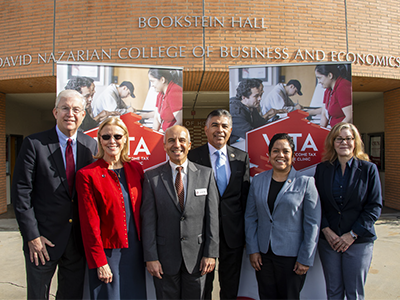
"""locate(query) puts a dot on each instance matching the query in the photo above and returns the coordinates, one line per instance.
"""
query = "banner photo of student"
(148, 99)
(303, 100)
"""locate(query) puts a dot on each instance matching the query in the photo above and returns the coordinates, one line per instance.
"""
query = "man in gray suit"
(179, 221)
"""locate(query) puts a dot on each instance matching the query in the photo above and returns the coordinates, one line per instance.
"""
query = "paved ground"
(384, 274)
(382, 282)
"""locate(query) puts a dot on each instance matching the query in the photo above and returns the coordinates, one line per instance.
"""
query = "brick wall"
(28, 28)
(392, 146)
(372, 29)
(3, 194)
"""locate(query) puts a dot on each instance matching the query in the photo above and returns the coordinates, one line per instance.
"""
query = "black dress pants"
(71, 272)
(229, 265)
(180, 286)
(276, 279)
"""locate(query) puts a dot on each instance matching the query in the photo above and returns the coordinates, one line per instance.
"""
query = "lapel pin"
(232, 155)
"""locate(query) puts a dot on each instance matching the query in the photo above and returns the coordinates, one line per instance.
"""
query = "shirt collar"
(184, 166)
(62, 138)
(348, 163)
(212, 150)
(338, 80)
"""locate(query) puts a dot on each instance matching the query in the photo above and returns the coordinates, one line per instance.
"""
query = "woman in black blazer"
(351, 199)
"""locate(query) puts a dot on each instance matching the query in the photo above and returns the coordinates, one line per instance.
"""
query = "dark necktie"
(69, 166)
(179, 187)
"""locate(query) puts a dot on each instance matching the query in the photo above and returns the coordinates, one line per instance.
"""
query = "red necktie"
(70, 166)
(179, 188)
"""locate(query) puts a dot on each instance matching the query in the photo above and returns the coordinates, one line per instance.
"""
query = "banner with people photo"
(148, 99)
(303, 100)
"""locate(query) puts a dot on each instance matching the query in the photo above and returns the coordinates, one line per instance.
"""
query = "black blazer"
(362, 204)
(40, 193)
(233, 202)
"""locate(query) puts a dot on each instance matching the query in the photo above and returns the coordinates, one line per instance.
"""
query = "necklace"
(118, 172)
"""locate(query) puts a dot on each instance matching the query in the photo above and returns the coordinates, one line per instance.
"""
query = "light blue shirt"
(213, 158)
(62, 138)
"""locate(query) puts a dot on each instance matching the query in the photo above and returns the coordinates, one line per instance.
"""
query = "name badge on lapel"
(200, 192)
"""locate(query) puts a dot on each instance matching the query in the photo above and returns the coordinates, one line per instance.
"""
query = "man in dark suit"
(44, 199)
(179, 221)
(232, 175)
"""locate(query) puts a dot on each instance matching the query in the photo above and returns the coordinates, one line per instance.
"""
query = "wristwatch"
(353, 234)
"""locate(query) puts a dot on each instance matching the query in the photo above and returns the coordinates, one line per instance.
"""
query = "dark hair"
(169, 75)
(219, 113)
(245, 86)
(77, 83)
(336, 70)
(281, 136)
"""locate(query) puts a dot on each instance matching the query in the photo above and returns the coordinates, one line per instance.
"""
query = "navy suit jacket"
(362, 204)
(40, 193)
(232, 203)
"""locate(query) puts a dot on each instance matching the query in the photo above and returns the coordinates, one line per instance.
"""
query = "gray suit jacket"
(293, 228)
(174, 237)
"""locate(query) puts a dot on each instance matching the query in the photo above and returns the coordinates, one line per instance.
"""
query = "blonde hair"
(117, 122)
(330, 153)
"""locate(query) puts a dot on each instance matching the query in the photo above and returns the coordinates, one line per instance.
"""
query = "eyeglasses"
(340, 140)
(117, 137)
(67, 109)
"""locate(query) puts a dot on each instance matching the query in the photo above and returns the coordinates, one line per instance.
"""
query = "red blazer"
(102, 210)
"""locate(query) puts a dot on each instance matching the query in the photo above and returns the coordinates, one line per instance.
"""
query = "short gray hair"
(219, 113)
(69, 94)
(187, 131)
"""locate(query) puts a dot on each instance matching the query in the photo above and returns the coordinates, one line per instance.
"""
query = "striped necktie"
(179, 187)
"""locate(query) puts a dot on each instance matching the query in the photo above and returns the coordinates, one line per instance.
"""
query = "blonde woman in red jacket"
(109, 197)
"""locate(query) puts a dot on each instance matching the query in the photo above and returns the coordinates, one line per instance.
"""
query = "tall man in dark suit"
(179, 221)
(231, 168)
(44, 199)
